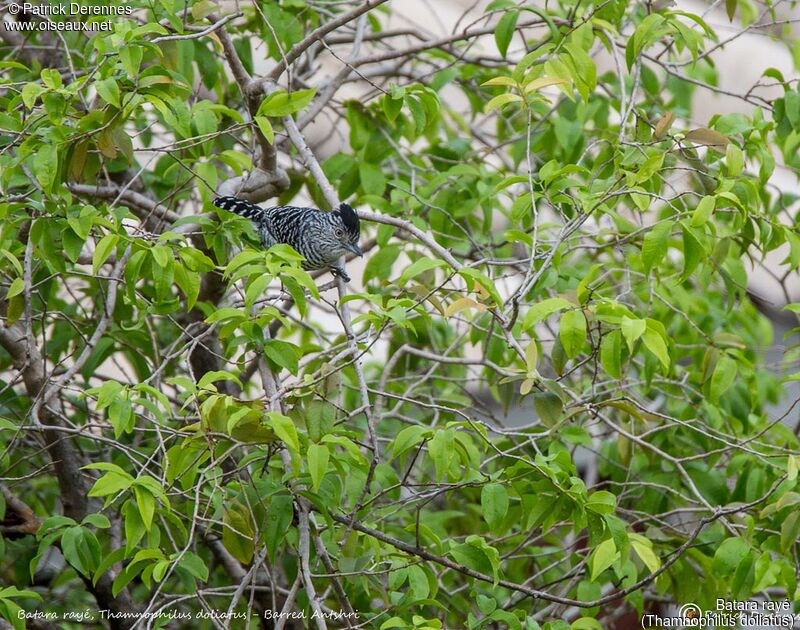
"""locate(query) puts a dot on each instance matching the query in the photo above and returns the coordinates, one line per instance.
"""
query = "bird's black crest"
(349, 218)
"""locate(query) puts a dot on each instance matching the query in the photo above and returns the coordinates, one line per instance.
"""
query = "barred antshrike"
(320, 237)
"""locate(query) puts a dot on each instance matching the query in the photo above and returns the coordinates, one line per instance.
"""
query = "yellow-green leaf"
(735, 160)
(502, 99)
(703, 211)
(604, 555)
(266, 128)
(500, 81)
(542, 82)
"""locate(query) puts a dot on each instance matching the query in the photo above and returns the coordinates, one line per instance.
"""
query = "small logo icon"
(690, 614)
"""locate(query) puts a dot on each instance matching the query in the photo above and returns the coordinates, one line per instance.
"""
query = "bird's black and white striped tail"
(240, 206)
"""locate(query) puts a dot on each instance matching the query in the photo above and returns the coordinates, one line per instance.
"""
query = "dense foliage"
(544, 403)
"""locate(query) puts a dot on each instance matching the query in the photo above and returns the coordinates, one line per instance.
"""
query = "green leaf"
(549, 408)
(283, 354)
(500, 82)
(108, 561)
(320, 417)
(702, 213)
(728, 555)
(195, 260)
(111, 483)
(188, 282)
(542, 310)
(723, 377)
(255, 289)
(790, 531)
(238, 532)
(108, 91)
(52, 78)
(134, 526)
(417, 113)
(572, 332)
(202, 8)
(531, 356)
(281, 103)
(81, 549)
(611, 354)
(542, 82)
(146, 503)
(107, 466)
(654, 247)
(284, 428)
(693, 252)
(372, 180)
(45, 166)
(131, 58)
(30, 93)
(586, 623)
(504, 31)
(420, 266)
(103, 250)
(380, 264)
(418, 584)
(792, 467)
(502, 99)
(217, 375)
(441, 449)
(279, 520)
(159, 570)
(478, 555)
(265, 126)
(473, 275)
(601, 502)
(391, 107)
(161, 254)
(407, 439)
(494, 503)
(16, 287)
(656, 343)
(318, 456)
(194, 565)
(585, 70)
(604, 555)
(632, 329)
(644, 549)
(121, 416)
(735, 160)
(99, 521)
(648, 32)
(70, 540)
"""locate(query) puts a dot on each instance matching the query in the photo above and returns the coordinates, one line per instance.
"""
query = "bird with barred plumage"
(322, 238)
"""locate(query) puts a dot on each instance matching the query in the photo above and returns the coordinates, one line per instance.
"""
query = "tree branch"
(300, 47)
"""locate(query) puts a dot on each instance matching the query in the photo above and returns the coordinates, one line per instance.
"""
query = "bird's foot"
(340, 272)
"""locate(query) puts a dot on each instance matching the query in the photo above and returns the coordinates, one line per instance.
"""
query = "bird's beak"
(353, 247)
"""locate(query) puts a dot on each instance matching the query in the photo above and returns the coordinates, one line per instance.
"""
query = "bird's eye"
(339, 232)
